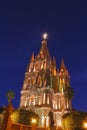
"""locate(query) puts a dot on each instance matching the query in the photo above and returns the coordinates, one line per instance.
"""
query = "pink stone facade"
(44, 87)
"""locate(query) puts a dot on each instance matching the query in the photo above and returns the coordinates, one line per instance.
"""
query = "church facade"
(45, 87)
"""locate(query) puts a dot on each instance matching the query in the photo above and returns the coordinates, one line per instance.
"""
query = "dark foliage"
(25, 116)
(2, 109)
(74, 120)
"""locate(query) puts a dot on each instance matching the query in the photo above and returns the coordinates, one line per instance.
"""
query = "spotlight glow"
(45, 35)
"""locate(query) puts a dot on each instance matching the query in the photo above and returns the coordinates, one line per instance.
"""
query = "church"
(46, 88)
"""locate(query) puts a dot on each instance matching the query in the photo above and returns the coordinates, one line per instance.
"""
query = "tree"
(10, 95)
(74, 120)
(24, 117)
(2, 109)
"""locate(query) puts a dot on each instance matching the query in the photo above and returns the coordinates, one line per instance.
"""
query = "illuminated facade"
(44, 87)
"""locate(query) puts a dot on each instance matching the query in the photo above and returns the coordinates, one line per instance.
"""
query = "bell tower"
(44, 88)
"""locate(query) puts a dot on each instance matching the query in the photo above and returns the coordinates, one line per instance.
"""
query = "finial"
(44, 41)
(45, 35)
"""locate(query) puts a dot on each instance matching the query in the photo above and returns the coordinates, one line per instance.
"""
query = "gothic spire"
(62, 66)
(54, 61)
(44, 52)
(32, 57)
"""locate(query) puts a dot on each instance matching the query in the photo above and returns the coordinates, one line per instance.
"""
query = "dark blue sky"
(22, 24)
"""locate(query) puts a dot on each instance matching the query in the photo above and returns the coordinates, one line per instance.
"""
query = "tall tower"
(44, 87)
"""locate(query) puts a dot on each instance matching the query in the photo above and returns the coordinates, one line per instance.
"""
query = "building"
(45, 87)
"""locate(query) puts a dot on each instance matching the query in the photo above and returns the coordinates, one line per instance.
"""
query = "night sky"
(22, 24)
